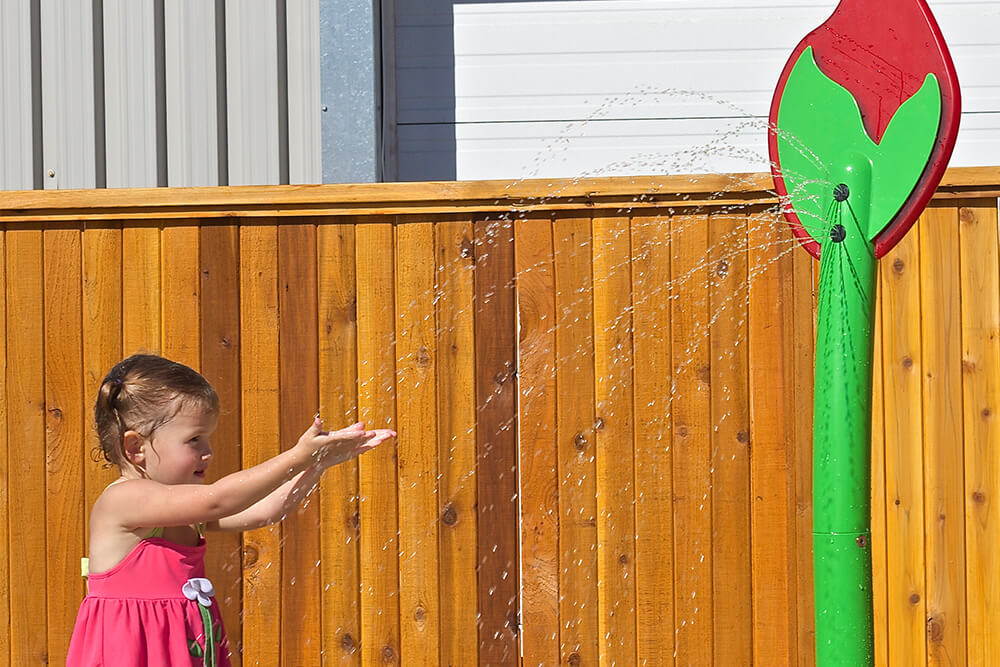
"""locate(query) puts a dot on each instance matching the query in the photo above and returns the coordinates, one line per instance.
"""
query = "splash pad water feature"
(864, 120)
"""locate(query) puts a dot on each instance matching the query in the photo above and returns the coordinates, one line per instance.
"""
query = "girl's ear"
(132, 444)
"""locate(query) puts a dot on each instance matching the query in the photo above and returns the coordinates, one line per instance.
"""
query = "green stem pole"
(842, 427)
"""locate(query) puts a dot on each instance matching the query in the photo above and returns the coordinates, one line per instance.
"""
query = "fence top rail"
(460, 197)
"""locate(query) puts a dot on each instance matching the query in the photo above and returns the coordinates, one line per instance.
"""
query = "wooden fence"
(603, 396)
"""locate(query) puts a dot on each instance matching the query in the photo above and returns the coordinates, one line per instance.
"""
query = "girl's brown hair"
(142, 393)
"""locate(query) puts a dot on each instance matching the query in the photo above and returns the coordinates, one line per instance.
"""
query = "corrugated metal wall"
(134, 93)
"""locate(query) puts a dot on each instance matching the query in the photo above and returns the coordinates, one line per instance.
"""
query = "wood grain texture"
(692, 439)
(380, 622)
(102, 343)
(416, 371)
(259, 372)
(732, 578)
(301, 619)
(338, 400)
(496, 443)
(470, 197)
(141, 288)
(654, 525)
(64, 442)
(980, 306)
(180, 301)
(537, 462)
(880, 557)
(5, 449)
(904, 492)
(26, 460)
(576, 441)
(802, 296)
(771, 458)
(944, 469)
(614, 447)
(456, 416)
(219, 345)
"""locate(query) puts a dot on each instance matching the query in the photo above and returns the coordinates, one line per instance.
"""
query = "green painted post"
(842, 560)
(845, 188)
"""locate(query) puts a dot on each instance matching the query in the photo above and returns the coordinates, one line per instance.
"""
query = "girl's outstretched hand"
(334, 447)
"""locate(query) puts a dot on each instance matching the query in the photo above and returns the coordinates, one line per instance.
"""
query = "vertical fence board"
(130, 94)
(613, 385)
(770, 436)
(26, 461)
(219, 257)
(496, 441)
(654, 527)
(259, 324)
(416, 363)
(944, 474)
(338, 378)
(901, 374)
(180, 305)
(456, 414)
(102, 342)
(691, 439)
(799, 330)
(732, 633)
(5, 618)
(576, 442)
(64, 480)
(380, 641)
(880, 561)
(298, 343)
(980, 288)
(141, 296)
(537, 462)
(189, 37)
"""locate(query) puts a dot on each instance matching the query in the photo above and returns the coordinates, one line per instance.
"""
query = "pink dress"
(137, 612)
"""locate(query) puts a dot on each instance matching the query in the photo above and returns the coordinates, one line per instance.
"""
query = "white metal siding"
(567, 88)
(191, 93)
(129, 94)
(68, 129)
(16, 134)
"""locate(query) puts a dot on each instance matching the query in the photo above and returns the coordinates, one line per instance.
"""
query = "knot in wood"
(449, 516)
(573, 659)
(348, 644)
(388, 655)
(580, 442)
(250, 556)
(423, 357)
(897, 266)
(466, 248)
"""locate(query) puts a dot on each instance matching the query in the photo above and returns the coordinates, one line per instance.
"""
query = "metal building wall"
(140, 93)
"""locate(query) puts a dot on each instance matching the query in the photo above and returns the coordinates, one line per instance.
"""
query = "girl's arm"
(140, 503)
(276, 505)
(279, 503)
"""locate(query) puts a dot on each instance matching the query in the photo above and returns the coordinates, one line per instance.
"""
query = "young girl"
(148, 602)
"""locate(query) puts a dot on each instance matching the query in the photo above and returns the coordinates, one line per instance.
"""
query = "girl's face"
(179, 451)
